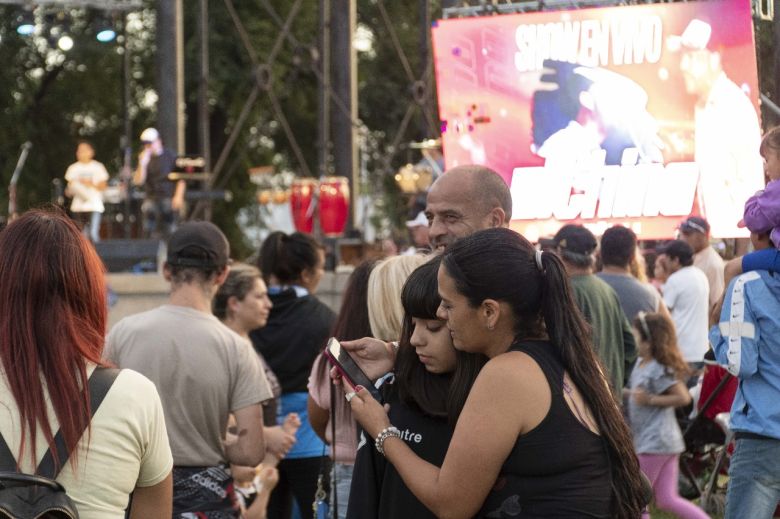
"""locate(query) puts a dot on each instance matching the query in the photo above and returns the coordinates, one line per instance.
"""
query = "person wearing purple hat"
(203, 370)
(762, 213)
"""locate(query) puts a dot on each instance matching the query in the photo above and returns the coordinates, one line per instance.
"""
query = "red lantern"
(334, 205)
(301, 200)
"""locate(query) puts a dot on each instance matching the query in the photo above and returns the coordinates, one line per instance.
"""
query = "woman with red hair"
(52, 326)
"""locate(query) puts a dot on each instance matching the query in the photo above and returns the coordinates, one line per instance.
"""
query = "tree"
(56, 97)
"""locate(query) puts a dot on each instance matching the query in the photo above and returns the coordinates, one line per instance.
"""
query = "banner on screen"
(638, 115)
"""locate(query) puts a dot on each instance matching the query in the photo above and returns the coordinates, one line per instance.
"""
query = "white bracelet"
(392, 347)
(386, 433)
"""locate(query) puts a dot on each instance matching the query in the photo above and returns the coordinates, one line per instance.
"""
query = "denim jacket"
(747, 343)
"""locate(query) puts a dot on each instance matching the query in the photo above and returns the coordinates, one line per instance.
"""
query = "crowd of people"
(516, 382)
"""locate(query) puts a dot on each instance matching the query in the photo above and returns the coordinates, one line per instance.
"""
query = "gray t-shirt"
(655, 428)
(634, 295)
(202, 369)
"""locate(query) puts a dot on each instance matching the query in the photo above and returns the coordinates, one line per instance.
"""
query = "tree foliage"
(53, 98)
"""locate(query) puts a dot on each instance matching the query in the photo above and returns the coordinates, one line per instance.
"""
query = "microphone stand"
(15, 179)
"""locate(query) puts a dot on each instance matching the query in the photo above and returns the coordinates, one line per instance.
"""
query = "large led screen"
(638, 115)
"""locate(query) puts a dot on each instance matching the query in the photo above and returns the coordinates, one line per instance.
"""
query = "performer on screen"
(592, 116)
(727, 131)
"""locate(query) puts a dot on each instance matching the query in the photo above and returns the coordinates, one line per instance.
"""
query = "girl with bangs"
(656, 388)
(539, 434)
(432, 381)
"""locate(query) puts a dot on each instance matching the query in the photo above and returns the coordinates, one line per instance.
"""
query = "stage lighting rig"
(25, 23)
(104, 29)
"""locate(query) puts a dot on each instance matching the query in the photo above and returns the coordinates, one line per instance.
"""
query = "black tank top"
(560, 468)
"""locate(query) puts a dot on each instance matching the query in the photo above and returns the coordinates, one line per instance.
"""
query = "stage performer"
(163, 198)
(86, 179)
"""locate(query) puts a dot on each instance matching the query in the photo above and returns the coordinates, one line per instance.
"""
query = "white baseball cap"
(419, 221)
(696, 36)
(150, 135)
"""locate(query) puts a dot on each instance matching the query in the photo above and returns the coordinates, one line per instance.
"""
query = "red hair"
(52, 322)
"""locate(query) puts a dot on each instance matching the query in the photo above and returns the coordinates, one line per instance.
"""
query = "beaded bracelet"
(386, 433)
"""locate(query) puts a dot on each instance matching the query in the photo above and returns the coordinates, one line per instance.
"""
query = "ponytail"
(570, 333)
(286, 257)
(542, 301)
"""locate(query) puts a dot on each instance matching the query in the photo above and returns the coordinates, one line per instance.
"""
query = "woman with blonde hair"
(385, 312)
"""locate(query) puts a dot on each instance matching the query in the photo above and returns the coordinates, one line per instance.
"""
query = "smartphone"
(348, 368)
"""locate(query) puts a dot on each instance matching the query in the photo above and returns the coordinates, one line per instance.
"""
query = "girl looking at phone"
(540, 434)
(430, 387)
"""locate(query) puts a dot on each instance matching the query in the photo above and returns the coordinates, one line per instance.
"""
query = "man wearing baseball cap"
(203, 371)
(686, 294)
(612, 335)
(695, 230)
(418, 231)
(163, 198)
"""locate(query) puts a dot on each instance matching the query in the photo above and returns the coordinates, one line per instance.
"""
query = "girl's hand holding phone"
(371, 415)
(372, 355)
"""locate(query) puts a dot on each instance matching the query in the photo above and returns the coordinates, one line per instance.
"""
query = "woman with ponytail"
(540, 434)
(297, 329)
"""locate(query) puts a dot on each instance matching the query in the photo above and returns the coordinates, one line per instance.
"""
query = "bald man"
(466, 199)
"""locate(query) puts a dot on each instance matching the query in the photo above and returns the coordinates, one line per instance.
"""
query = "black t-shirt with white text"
(377, 490)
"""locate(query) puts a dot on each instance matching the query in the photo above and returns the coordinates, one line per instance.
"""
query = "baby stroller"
(708, 440)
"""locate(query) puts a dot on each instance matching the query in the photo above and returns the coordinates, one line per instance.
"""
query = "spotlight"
(105, 30)
(106, 35)
(65, 42)
(25, 24)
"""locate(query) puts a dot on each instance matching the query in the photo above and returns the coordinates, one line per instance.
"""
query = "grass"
(659, 514)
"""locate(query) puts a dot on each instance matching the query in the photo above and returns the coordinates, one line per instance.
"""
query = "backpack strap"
(99, 383)
(7, 458)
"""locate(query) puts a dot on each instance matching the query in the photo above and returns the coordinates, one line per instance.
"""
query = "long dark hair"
(53, 315)
(439, 395)
(287, 256)
(501, 264)
(351, 323)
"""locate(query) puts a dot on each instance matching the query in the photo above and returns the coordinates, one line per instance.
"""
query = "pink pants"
(662, 471)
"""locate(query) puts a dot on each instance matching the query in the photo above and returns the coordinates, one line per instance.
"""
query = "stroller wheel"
(714, 504)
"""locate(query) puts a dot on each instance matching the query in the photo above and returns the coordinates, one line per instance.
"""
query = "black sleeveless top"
(560, 468)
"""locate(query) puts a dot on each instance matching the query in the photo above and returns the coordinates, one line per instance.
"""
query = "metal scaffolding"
(104, 5)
